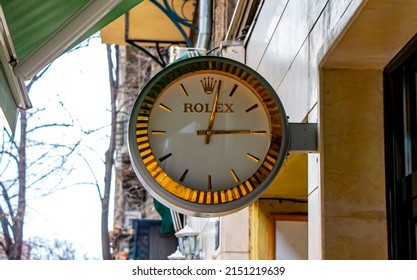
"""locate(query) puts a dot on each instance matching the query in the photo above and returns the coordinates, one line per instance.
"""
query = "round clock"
(207, 135)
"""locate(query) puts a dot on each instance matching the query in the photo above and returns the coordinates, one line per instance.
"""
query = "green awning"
(6, 100)
(32, 21)
(36, 28)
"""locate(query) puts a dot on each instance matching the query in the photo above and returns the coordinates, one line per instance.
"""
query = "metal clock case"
(207, 135)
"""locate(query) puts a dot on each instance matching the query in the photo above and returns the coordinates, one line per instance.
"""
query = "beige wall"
(351, 113)
(346, 187)
(286, 48)
(353, 180)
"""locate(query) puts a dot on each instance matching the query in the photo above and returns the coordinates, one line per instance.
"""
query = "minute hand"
(213, 113)
(205, 132)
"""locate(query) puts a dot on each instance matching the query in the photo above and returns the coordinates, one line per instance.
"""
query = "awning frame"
(9, 60)
(63, 38)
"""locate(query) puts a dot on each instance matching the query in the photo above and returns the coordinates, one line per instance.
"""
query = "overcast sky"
(75, 86)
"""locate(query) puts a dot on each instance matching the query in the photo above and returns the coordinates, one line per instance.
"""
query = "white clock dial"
(179, 124)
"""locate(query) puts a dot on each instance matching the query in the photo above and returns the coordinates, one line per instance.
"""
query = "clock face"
(178, 131)
(207, 136)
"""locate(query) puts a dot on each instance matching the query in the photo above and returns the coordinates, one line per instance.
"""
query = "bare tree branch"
(6, 232)
(94, 175)
(43, 249)
(9, 140)
(37, 77)
(10, 155)
(54, 125)
(7, 199)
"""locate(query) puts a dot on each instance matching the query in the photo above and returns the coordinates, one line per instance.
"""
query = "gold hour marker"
(183, 90)
(252, 157)
(161, 159)
(260, 132)
(234, 175)
(233, 90)
(158, 132)
(209, 182)
(162, 106)
(252, 108)
(183, 175)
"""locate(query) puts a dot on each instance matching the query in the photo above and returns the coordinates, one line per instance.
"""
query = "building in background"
(131, 201)
(143, 36)
(348, 66)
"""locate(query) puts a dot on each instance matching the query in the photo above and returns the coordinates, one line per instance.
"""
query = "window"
(400, 98)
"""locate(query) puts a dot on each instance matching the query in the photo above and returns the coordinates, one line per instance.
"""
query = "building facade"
(131, 201)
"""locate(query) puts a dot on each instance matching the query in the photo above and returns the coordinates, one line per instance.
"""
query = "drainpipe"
(204, 24)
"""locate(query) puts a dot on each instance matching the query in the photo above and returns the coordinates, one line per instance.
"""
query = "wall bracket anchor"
(303, 137)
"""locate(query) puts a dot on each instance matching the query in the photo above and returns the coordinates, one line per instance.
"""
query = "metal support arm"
(303, 137)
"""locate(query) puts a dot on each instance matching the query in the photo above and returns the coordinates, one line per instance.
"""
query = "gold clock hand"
(213, 114)
(205, 132)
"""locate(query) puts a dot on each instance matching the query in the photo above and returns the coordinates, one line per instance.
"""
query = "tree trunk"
(18, 220)
(105, 239)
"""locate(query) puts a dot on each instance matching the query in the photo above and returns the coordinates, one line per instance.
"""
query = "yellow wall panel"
(148, 22)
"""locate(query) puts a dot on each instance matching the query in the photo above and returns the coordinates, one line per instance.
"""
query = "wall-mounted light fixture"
(187, 240)
(177, 255)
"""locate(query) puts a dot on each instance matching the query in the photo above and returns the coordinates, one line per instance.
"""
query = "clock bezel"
(185, 199)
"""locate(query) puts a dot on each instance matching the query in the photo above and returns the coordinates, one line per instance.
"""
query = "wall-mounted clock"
(207, 135)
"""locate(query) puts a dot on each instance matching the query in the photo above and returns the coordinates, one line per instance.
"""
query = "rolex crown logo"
(208, 85)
